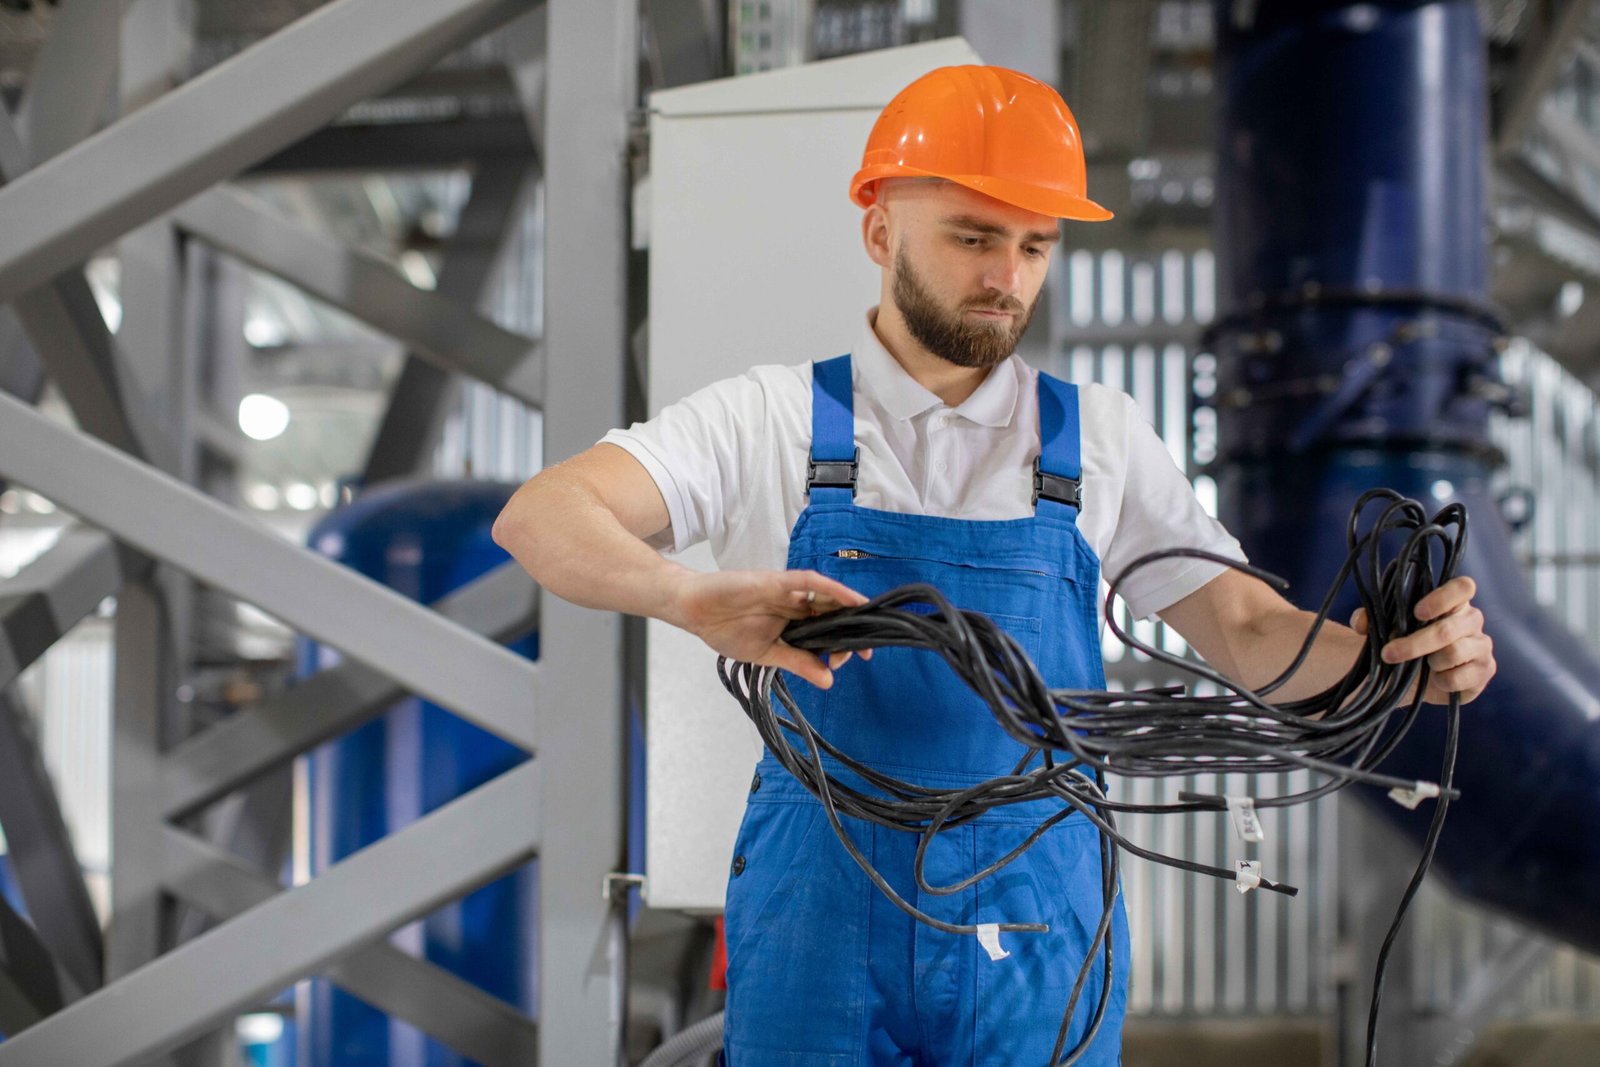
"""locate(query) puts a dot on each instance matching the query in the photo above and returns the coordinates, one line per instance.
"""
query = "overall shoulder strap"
(1058, 472)
(831, 474)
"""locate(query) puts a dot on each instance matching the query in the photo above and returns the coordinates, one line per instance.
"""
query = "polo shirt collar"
(992, 404)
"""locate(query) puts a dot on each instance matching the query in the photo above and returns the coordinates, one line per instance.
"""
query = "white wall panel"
(755, 257)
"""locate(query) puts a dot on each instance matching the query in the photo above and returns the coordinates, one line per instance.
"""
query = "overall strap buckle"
(1056, 487)
(833, 473)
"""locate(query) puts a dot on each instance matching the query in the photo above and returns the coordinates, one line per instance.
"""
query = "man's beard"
(953, 337)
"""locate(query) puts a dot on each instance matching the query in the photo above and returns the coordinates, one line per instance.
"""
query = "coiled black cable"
(1077, 736)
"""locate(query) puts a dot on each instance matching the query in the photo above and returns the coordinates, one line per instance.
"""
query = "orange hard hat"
(998, 131)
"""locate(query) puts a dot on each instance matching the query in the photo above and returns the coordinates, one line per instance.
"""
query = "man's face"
(968, 271)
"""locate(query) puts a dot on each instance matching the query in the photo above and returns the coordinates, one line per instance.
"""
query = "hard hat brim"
(1029, 197)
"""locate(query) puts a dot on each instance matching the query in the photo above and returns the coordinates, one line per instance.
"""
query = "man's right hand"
(742, 614)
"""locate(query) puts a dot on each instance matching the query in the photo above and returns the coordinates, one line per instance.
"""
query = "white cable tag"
(1246, 875)
(989, 938)
(1410, 798)
(1245, 821)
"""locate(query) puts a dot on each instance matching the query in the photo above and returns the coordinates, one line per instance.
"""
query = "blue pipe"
(1355, 349)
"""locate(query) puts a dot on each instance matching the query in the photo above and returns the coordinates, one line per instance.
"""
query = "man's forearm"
(564, 536)
(1273, 644)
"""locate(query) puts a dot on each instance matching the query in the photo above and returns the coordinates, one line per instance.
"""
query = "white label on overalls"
(989, 938)
(1245, 821)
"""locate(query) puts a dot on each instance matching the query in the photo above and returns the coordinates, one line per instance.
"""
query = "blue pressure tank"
(1354, 350)
(423, 539)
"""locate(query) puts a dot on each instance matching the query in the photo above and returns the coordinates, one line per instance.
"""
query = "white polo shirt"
(730, 461)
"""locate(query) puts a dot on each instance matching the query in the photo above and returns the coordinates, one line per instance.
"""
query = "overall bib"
(823, 969)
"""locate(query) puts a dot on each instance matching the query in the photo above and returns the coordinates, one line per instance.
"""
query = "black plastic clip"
(833, 474)
(1054, 487)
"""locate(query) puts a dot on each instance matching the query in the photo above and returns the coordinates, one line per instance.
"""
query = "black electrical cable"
(1078, 736)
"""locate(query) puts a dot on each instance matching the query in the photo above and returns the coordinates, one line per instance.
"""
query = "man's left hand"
(1460, 655)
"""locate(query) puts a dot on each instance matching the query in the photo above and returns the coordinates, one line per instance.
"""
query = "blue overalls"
(822, 968)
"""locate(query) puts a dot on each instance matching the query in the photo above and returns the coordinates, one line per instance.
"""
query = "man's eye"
(1035, 252)
(970, 242)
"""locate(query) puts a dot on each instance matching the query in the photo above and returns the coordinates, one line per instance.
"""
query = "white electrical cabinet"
(755, 257)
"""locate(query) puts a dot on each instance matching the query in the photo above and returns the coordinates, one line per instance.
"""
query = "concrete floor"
(1306, 1043)
(1532, 1043)
(1225, 1043)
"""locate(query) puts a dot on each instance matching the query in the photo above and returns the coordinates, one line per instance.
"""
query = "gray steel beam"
(255, 826)
(481, 1027)
(41, 854)
(21, 374)
(150, 339)
(64, 323)
(445, 331)
(526, 40)
(70, 336)
(30, 988)
(142, 688)
(236, 114)
(405, 146)
(157, 43)
(1538, 63)
(52, 594)
(462, 845)
(590, 92)
(69, 89)
(475, 678)
(422, 392)
(502, 605)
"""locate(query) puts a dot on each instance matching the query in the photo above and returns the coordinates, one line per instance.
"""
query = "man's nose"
(1003, 272)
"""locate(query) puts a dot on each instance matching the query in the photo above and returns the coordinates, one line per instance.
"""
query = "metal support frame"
(423, 392)
(502, 605)
(41, 854)
(445, 331)
(49, 596)
(462, 845)
(1538, 63)
(30, 988)
(21, 374)
(142, 688)
(590, 92)
(70, 86)
(116, 182)
(215, 126)
(37, 607)
(174, 522)
(392, 146)
(480, 1026)
(64, 323)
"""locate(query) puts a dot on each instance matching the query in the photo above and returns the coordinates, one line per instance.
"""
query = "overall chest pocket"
(1016, 599)
(907, 711)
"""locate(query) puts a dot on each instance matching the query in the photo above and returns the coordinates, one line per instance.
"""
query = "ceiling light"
(262, 496)
(263, 417)
(300, 496)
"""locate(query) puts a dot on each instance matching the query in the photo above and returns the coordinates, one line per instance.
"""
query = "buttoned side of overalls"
(803, 936)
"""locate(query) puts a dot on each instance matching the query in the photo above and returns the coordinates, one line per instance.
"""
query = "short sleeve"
(697, 451)
(1160, 510)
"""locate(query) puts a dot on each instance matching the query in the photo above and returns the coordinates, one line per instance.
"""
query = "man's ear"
(875, 235)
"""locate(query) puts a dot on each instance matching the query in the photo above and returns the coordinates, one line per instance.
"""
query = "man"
(930, 453)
